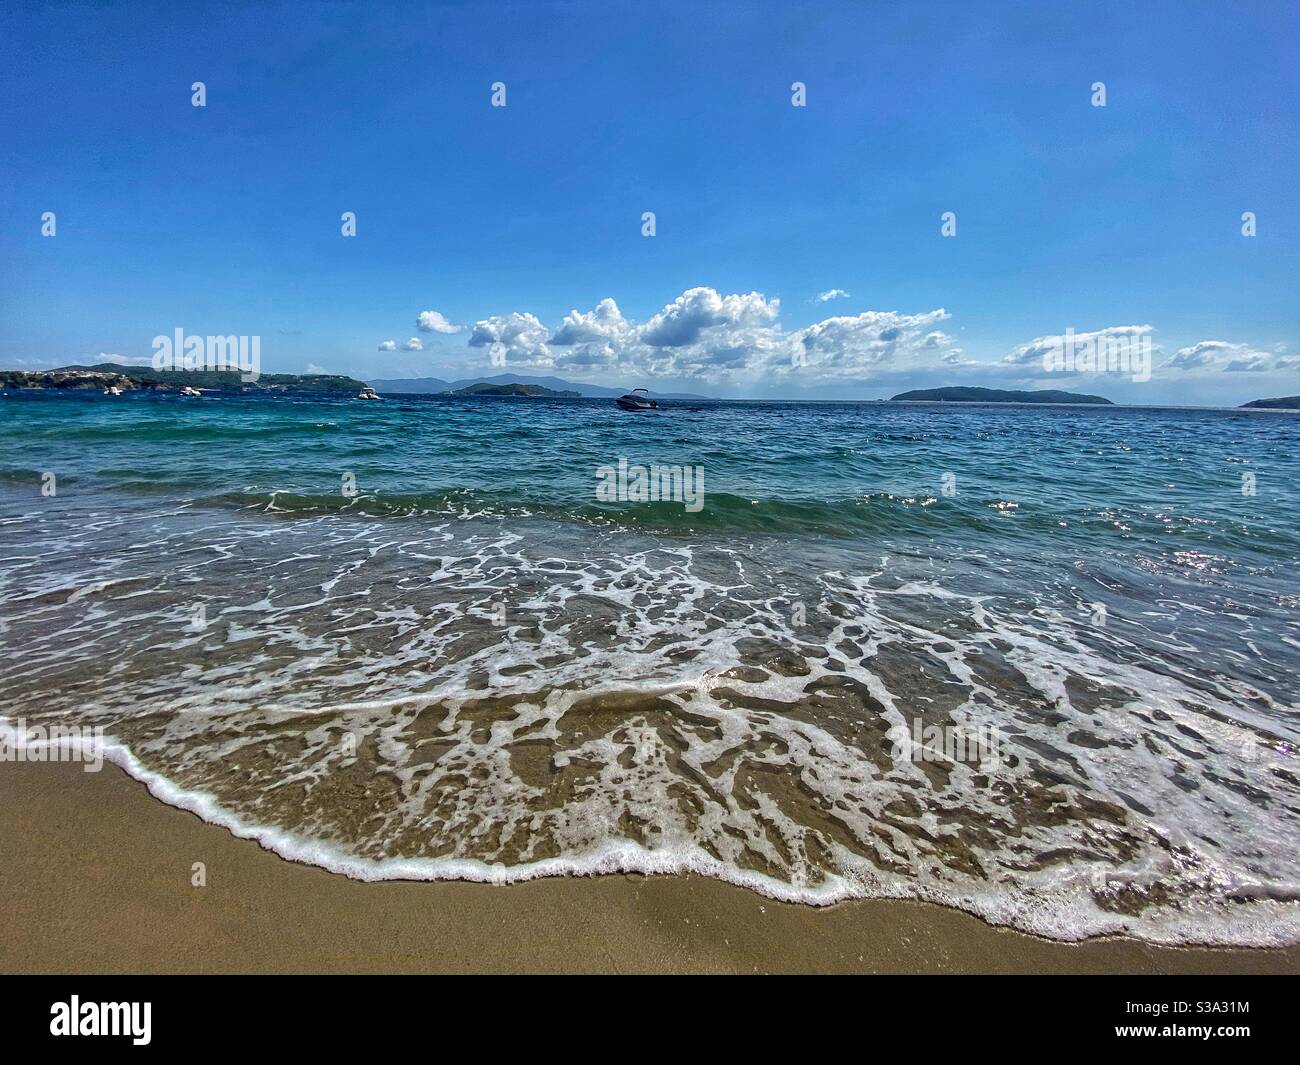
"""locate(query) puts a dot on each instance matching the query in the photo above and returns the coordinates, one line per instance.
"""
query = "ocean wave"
(1067, 911)
(464, 701)
(474, 669)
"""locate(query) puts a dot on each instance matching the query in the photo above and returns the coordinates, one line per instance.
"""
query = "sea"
(1038, 663)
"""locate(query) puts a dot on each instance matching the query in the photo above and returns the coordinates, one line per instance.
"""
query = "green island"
(962, 394)
(483, 389)
(1279, 403)
(146, 378)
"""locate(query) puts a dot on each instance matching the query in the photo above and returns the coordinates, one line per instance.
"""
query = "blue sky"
(226, 219)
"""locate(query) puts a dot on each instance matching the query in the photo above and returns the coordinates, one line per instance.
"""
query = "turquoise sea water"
(473, 666)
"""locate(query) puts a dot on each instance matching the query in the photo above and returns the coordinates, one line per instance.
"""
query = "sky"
(798, 251)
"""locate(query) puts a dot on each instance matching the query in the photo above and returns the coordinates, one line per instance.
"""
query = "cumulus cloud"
(681, 322)
(598, 339)
(388, 345)
(856, 345)
(705, 335)
(1201, 355)
(414, 344)
(604, 323)
(832, 294)
(1202, 370)
(710, 336)
(123, 360)
(434, 322)
(1221, 355)
(515, 338)
(1031, 353)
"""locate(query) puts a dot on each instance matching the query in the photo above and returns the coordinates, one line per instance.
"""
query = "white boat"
(112, 390)
(368, 393)
(190, 390)
(633, 401)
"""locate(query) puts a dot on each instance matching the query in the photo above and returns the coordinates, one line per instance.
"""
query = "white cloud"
(434, 322)
(598, 339)
(388, 345)
(514, 338)
(604, 323)
(123, 360)
(737, 341)
(313, 368)
(832, 294)
(1222, 356)
(1127, 356)
(872, 342)
(414, 344)
(708, 336)
(1031, 354)
(695, 310)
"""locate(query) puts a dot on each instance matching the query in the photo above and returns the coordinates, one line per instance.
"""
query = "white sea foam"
(653, 708)
(1064, 910)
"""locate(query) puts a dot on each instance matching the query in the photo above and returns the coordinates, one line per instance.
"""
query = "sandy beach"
(97, 879)
(537, 489)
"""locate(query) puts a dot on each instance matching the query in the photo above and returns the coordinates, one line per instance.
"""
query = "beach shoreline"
(887, 658)
(99, 875)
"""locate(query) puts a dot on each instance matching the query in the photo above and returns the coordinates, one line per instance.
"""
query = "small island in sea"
(146, 378)
(964, 394)
(536, 391)
(1278, 403)
(558, 385)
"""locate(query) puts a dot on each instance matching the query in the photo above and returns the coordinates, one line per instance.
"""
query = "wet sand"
(96, 878)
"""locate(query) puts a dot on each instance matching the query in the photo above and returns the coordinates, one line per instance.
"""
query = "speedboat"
(190, 390)
(112, 390)
(632, 401)
(368, 393)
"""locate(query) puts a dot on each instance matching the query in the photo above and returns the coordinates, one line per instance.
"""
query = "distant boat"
(190, 390)
(368, 393)
(631, 401)
(112, 390)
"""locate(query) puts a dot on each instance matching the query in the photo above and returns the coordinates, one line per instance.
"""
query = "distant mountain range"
(127, 377)
(962, 394)
(432, 385)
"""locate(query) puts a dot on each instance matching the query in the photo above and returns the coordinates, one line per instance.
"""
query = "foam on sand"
(662, 709)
